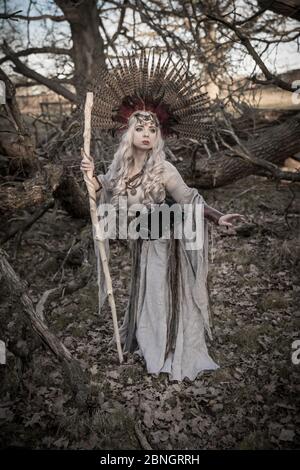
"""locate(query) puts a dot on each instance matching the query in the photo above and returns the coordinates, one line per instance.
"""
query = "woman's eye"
(138, 129)
(153, 131)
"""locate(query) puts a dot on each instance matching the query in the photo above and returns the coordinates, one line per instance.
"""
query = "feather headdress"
(165, 89)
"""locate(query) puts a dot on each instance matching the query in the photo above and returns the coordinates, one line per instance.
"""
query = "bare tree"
(83, 27)
(63, 46)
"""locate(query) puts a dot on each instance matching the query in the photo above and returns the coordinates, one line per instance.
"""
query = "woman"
(168, 307)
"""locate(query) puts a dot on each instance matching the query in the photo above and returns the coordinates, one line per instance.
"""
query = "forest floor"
(250, 402)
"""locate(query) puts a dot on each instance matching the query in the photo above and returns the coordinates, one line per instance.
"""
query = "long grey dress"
(148, 311)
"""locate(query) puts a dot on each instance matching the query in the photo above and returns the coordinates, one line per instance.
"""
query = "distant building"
(40, 101)
(43, 102)
(263, 97)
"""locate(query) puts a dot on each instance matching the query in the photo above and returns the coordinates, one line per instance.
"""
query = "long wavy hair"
(153, 190)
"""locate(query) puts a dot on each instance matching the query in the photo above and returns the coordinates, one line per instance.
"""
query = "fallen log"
(75, 376)
(273, 145)
(53, 181)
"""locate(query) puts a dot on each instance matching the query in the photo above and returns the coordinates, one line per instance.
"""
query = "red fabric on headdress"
(130, 105)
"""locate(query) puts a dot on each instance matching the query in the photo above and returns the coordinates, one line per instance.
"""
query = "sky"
(285, 57)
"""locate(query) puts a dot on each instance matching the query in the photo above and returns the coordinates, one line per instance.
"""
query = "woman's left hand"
(227, 218)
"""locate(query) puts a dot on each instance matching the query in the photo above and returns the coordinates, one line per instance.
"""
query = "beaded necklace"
(130, 181)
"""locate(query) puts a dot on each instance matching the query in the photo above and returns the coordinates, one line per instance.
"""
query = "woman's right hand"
(86, 163)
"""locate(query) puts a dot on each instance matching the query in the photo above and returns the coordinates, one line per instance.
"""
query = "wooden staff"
(88, 178)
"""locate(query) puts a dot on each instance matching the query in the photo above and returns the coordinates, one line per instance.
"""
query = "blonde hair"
(153, 190)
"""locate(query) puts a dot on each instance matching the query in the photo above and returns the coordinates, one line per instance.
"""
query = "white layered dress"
(151, 295)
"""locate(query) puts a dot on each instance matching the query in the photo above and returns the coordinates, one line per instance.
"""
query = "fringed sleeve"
(182, 193)
(103, 196)
(195, 253)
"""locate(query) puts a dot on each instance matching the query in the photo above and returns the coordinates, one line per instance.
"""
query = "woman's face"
(144, 135)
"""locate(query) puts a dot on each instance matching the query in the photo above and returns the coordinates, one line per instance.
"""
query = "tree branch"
(271, 79)
(34, 83)
(120, 24)
(73, 372)
(57, 18)
(27, 72)
(39, 50)
(10, 16)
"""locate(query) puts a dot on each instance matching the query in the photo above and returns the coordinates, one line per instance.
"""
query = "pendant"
(133, 191)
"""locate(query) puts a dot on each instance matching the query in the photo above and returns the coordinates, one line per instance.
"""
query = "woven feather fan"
(164, 88)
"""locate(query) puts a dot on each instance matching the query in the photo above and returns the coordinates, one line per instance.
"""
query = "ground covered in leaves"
(251, 402)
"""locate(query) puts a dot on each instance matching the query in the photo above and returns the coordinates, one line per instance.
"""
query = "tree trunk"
(88, 46)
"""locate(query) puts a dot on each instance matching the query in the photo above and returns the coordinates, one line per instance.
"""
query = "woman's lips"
(145, 141)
